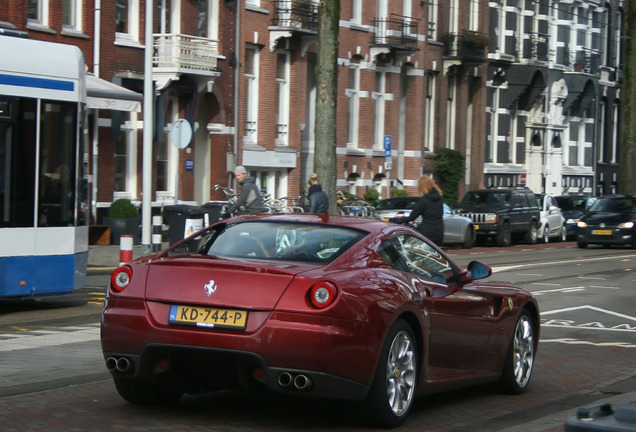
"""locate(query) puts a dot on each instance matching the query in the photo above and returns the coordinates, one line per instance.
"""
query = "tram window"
(17, 162)
(58, 138)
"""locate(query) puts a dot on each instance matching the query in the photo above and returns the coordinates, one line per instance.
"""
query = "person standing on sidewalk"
(250, 197)
(431, 207)
(318, 200)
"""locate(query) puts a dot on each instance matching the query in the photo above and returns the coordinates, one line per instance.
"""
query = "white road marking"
(581, 342)
(45, 338)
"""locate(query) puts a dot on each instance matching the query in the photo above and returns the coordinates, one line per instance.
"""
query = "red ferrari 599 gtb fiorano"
(314, 305)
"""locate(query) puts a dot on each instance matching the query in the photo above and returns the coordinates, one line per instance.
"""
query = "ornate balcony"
(395, 33)
(177, 54)
(468, 47)
(293, 17)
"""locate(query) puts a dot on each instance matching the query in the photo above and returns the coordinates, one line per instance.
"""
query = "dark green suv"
(502, 213)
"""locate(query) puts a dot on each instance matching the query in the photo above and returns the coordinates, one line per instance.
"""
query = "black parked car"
(573, 207)
(609, 221)
(502, 213)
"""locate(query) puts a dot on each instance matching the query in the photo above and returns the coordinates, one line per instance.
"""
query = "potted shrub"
(123, 219)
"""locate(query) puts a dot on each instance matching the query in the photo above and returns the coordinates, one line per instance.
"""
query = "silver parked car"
(552, 220)
(458, 230)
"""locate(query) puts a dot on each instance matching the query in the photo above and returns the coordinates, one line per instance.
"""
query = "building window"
(353, 92)
(127, 20)
(72, 14)
(615, 134)
(282, 96)
(473, 23)
(429, 112)
(38, 12)
(380, 98)
(451, 112)
(432, 19)
(602, 124)
(357, 12)
(251, 69)
(125, 160)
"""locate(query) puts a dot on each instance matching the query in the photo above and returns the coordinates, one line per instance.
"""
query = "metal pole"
(146, 221)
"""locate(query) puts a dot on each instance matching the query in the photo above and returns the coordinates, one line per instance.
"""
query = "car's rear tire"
(469, 238)
(393, 390)
(563, 237)
(531, 235)
(517, 369)
(144, 393)
(504, 236)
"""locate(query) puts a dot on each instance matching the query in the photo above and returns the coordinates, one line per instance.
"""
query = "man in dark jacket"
(250, 197)
(318, 200)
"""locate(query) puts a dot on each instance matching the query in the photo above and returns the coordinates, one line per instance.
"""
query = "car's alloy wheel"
(520, 358)
(531, 235)
(564, 234)
(469, 238)
(546, 234)
(393, 389)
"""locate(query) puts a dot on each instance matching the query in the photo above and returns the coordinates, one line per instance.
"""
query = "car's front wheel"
(144, 393)
(517, 369)
(393, 389)
(564, 234)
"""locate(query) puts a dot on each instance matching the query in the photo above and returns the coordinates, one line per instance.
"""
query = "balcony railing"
(295, 14)
(469, 46)
(536, 47)
(396, 31)
(185, 54)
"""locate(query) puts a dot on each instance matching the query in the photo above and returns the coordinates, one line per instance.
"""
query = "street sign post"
(180, 137)
(388, 163)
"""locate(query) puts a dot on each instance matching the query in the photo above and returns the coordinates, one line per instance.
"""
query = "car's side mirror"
(478, 270)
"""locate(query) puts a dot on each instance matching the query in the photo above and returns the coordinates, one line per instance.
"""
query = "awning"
(102, 94)
(525, 84)
(581, 91)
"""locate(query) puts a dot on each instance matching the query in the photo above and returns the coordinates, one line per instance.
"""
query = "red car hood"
(222, 283)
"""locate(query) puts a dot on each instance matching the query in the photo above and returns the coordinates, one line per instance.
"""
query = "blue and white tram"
(43, 178)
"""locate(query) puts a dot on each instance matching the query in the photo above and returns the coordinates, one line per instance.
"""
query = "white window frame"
(433, 11)
(251, 98)
(76, 7)
(129, 134)
(380, 96)
(43, 14)
(451, 112)
(429, 112)
(615, 133)
(283, 87)
(453, 17)
(473, 20)
(132, 35)
(602, 122)
(354, 104)
(356, 15)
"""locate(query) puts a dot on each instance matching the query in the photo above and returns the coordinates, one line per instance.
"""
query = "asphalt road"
(52, 375)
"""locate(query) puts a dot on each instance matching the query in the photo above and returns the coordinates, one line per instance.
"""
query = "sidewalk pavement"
(105, 259)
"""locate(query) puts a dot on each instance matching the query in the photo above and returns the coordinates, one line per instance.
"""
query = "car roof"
(365, 224)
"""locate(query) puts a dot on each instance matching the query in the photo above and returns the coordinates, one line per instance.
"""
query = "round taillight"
(120, 278)
(322, 294)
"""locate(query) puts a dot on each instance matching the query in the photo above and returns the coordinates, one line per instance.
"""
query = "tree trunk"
(326, 98)
(627, 177)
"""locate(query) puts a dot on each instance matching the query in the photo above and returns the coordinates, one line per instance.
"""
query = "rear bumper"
(338, 356)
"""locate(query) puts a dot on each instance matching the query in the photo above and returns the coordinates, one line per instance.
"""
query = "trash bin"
(602, 417)
(212, 212)
(183, 220)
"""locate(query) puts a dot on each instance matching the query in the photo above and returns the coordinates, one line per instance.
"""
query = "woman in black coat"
(431, 207)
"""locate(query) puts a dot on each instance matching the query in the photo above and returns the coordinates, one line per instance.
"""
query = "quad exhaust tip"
(121, 364)
(294, 381)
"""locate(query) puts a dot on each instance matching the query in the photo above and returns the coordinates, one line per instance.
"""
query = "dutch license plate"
(207, 317)
(601, 232)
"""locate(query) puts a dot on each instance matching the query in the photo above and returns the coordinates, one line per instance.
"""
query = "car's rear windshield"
(495, 198)
(394, 204)
(280, 240)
